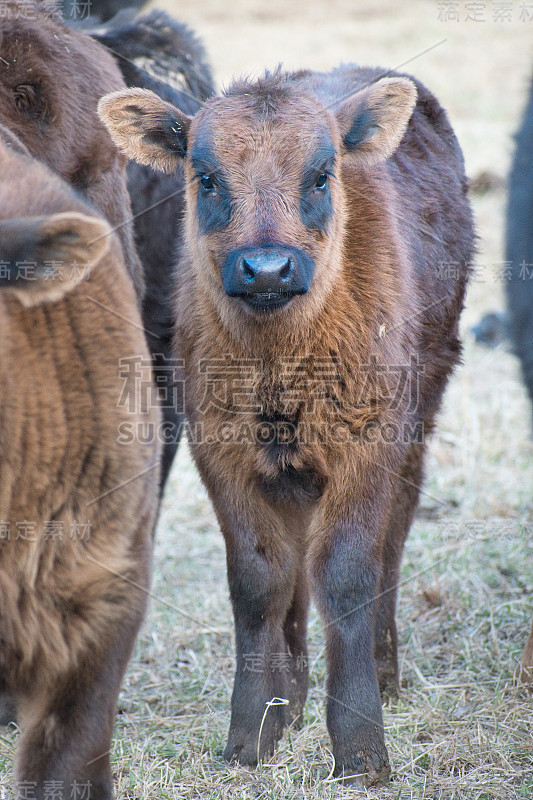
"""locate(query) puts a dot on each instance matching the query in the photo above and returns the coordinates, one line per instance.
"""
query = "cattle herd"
(278, 242)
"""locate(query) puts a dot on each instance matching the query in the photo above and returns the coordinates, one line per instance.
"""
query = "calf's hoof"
(248, 747)
(245, 753)
(364, 766)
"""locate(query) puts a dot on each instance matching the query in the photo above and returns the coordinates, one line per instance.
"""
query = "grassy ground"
(460, 729)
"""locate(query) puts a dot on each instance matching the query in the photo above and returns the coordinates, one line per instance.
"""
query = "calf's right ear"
(145, 128)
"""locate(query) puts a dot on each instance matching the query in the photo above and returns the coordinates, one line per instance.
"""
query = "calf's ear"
(372, 122)
(44, 258)
(145, 128)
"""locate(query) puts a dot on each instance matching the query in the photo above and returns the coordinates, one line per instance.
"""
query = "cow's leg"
(8, 711)
(402, 512)
(67, 726)
(526, 664)
(67, 718)
(345, 556)
(295, 631)
(262, 572)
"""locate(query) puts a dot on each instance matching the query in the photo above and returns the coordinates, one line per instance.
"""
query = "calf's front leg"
(262, 573)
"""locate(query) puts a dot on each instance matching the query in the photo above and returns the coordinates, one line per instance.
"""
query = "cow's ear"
(145, 128)
(372, 122)
(44, 258)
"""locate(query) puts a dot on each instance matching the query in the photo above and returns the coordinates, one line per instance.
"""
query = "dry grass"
(460, 728)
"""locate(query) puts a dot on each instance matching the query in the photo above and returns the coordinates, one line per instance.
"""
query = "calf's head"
(264, 166)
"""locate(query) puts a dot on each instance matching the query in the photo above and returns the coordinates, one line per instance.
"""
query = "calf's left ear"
(145, 128)
(372, 122)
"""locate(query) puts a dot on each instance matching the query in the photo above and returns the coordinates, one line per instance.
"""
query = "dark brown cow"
(77, 509)
(50, 81)
(328, 242)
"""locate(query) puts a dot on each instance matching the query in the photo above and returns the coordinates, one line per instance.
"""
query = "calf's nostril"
(285, 270)
(247, 270)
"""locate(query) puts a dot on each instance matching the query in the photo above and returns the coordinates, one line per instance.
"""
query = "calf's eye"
(321, 181)
(207, 184)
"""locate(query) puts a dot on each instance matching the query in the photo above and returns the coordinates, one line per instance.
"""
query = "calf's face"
(264, 196)
(264, 170)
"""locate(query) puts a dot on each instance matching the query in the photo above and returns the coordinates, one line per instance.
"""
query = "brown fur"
(51, 79)
(71, 607)
(328, 512)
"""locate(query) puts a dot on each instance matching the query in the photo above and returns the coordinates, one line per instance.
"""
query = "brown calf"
(77, 509)
(328, 238)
